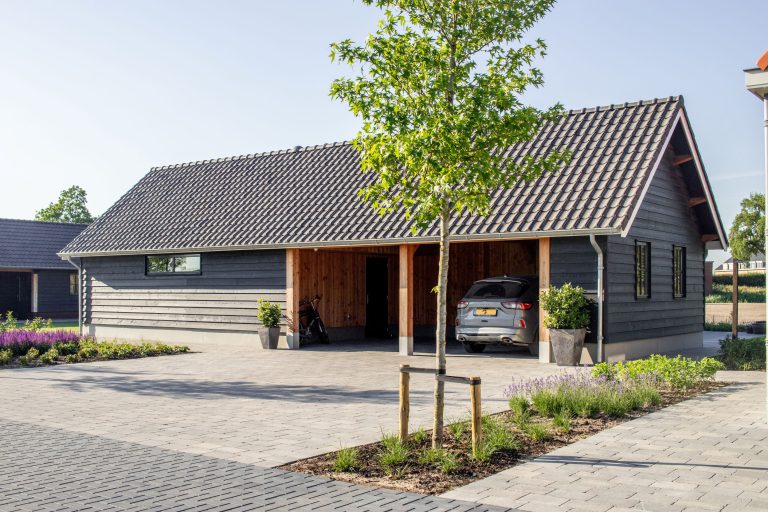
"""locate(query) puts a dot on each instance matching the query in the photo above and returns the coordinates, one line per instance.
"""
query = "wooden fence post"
(477, 416)
(405, 405)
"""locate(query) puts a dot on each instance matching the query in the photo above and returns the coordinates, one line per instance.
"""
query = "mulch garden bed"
(423, 478)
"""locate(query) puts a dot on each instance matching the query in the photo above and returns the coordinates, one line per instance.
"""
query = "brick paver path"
(45, 469)
(707, 453)
(264, 408)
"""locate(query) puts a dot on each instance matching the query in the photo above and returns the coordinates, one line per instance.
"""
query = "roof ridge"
(627, 104)
(43, 222)
(297, 149)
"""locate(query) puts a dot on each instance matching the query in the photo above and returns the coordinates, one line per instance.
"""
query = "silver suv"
(500, 310)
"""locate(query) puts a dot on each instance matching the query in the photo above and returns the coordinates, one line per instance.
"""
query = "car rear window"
(497, 290)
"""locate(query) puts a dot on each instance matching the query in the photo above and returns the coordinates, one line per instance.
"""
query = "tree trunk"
(442, 291)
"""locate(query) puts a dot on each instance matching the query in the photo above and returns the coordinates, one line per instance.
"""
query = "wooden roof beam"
(681, 159)
(695, 201)
(708, 238)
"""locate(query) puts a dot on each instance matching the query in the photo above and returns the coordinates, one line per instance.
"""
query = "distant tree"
(439, 93)
(747, 236)
(70, 207)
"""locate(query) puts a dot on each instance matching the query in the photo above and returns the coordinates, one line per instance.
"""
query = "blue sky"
(95, 93)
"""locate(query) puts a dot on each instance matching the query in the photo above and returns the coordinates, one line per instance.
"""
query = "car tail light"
(462, 304)
(517, 305)
(522, 323)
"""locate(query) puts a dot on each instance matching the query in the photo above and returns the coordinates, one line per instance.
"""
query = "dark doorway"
(376, 299)
(16, 294)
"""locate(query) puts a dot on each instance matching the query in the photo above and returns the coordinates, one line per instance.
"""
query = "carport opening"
(359, 287)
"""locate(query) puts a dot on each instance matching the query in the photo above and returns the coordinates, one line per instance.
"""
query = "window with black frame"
(678, 271)
(73, 283)
(642, 270)
(173, 264)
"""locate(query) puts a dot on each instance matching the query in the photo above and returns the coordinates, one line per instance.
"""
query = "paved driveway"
(264, 408)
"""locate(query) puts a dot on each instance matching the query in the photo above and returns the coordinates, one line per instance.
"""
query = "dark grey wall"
(53, 297)
(16, 294)
(664, 220)
(224, 297)
(574, 260)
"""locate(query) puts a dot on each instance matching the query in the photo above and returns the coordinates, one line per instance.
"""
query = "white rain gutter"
(600, 268)
(79, 293)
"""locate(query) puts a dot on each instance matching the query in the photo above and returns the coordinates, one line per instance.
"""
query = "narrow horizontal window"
(678, 271)
(172, 265)
(642, 270)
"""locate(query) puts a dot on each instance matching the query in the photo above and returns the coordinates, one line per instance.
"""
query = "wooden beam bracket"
(695, 201)
(681, 159)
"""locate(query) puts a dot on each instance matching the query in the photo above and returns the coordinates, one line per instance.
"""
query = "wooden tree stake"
(477, 416)
(405, 405)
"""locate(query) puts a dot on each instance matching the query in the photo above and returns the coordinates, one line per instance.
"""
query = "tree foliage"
(747, 236)
(439, 95)
(70, 207)
(438, 90)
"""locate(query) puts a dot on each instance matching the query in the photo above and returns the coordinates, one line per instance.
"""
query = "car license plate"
(485, 312)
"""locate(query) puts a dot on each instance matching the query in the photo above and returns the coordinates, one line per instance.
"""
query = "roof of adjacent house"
(309, 196)
(29, 244)
(755, 257)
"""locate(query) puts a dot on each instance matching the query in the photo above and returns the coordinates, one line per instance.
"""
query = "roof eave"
(489, 237)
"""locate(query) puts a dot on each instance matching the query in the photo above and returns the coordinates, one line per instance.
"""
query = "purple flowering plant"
(20, 341)
(583, 394)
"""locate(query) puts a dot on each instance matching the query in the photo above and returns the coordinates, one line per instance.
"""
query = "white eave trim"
(683, 120)
(485, 237)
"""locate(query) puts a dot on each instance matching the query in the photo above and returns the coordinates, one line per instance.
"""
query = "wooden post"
(292, 292)
(544, 283)
(405, 316)
(405, 401)
(477, 416)
(735, 299)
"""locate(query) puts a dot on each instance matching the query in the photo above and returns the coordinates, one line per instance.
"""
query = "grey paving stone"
(44, 469)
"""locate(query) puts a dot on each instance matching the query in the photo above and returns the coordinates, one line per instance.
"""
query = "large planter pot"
(269, 337)
(567, 345)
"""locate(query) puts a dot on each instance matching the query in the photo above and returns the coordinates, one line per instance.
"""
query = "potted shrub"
(269, 316)
(567, 320)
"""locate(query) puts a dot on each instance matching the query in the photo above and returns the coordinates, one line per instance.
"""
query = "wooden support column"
(35, 288)
(405, 316)
(292, 298)
(545, 350)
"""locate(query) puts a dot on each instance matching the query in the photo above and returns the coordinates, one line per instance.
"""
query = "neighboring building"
(34, 281)
(755, 263)
(187, 252)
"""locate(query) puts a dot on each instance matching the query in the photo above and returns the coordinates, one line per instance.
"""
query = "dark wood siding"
(664, 220)
(53, 297)
(16, 294)
(224, 297)
(574, 260)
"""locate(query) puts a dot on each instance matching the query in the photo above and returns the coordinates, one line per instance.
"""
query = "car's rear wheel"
(473, 348)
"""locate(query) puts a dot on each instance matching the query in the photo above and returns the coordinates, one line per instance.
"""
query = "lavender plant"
(585, 395)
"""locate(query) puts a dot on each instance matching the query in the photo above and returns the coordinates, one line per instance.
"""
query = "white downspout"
(600, 268)
(79, 294)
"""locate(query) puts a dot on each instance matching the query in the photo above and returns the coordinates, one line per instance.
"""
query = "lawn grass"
(723, 293)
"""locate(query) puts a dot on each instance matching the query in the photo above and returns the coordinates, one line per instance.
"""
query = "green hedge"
(743, 354)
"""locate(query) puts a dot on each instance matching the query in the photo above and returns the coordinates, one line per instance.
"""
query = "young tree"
(438, 91)
(70, 207)
(747, 236)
